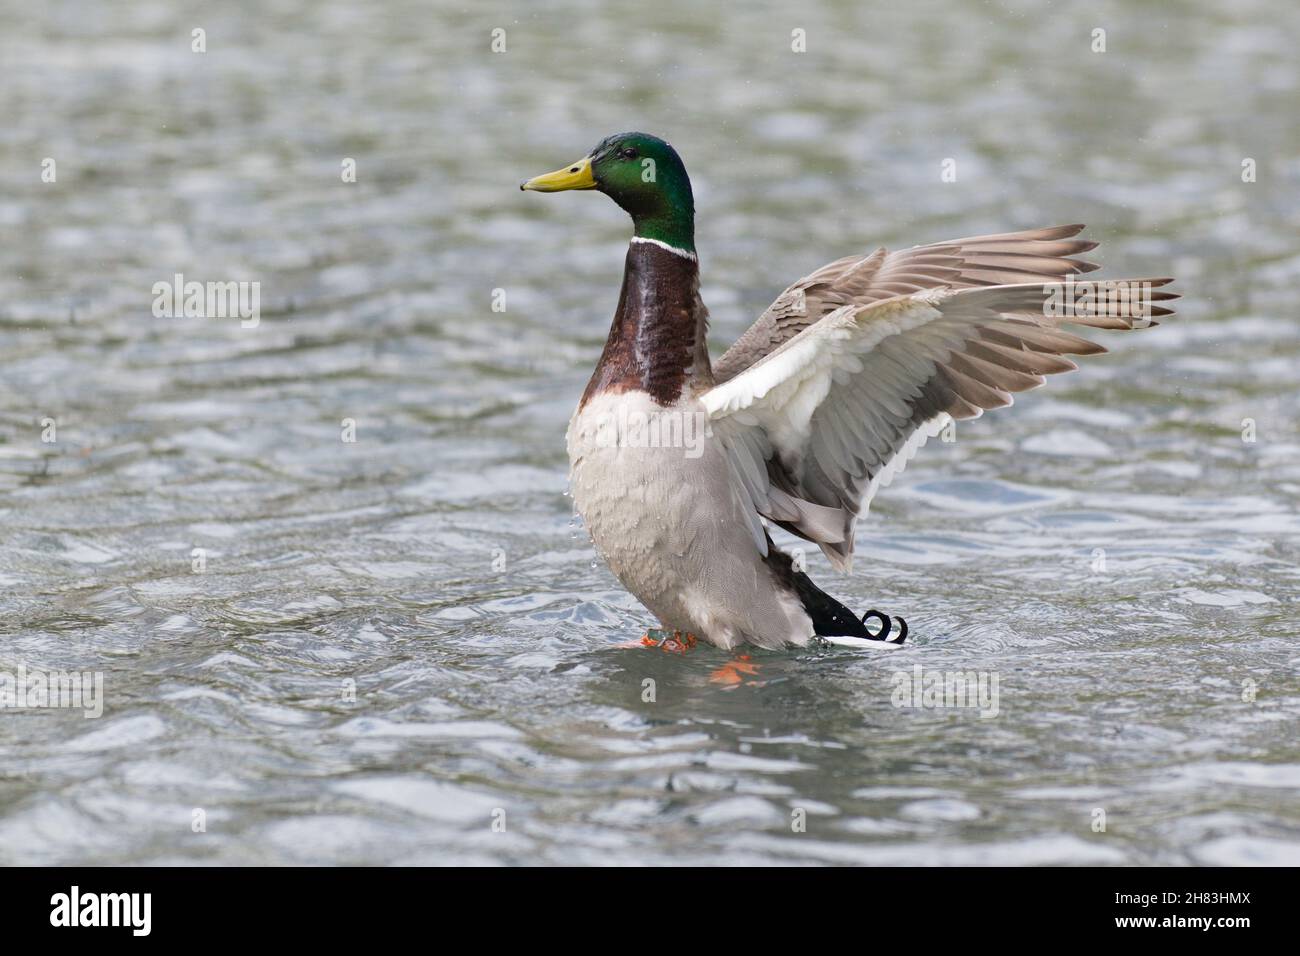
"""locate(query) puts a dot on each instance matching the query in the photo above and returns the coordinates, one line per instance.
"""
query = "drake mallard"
(679, 464)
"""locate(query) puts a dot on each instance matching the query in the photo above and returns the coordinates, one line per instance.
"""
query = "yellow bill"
(574, 176)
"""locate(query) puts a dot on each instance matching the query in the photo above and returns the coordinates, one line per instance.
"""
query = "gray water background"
(434, 562)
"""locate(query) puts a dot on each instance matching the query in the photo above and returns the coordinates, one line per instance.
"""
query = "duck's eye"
(628, 153)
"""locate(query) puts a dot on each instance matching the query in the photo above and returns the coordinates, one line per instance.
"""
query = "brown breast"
(656, 342)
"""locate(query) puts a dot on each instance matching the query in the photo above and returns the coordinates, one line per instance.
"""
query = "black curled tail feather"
(830, 618)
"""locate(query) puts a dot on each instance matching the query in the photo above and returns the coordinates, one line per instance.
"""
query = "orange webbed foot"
(734, 672)
(678, 643)
(672, 642)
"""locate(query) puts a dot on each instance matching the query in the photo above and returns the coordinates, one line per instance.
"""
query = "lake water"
(1113, 549)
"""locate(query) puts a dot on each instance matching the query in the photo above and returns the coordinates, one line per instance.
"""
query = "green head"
(641, 173)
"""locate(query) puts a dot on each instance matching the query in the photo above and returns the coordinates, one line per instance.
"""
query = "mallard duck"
(679, 465)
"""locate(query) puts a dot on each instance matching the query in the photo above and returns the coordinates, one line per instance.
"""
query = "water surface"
(1111, 548)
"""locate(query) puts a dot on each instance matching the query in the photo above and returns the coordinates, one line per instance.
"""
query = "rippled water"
(1110, 548)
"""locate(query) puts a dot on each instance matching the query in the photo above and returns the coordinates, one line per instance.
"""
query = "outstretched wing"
(816, 425)
(1035, 255)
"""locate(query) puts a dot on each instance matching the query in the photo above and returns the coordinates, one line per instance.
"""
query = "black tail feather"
(830, 618)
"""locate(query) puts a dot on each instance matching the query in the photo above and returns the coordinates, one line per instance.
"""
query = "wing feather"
(828, 416)
(1035, 255)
